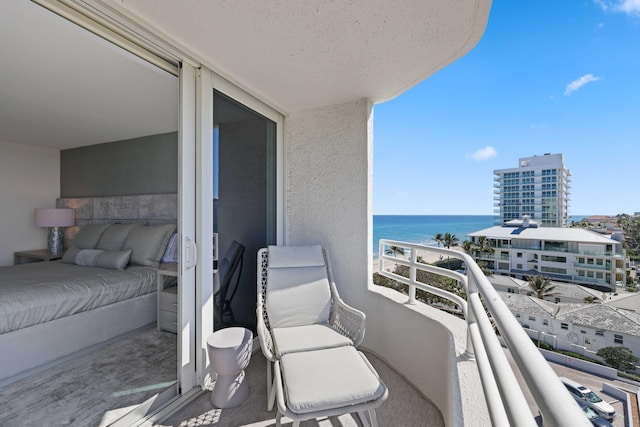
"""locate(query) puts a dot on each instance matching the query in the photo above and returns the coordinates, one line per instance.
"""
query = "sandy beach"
(429, 257)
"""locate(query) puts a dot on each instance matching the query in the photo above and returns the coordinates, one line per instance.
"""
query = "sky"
(547, 76)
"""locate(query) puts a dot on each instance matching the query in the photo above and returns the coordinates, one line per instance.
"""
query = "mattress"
(35, 293)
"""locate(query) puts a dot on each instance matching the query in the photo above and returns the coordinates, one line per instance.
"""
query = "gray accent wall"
(145, 165)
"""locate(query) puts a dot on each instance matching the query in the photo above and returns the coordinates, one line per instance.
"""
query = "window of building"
(545, 322)
(519, 254)
(564, 326)
(557, 299)
(518, 315)
(532, 318)
(599, 262)
(581, 260)
(600, 332)
(511, 291)
(587, 341)
(618, 339)
(519, 266)
(582, 331)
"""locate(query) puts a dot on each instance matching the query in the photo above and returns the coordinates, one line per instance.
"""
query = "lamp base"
(55, 241)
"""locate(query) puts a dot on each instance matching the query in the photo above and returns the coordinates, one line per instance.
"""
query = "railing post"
(412, 277)
(470, 315)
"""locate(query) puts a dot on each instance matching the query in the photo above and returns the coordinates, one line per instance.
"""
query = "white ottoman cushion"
(327, 379)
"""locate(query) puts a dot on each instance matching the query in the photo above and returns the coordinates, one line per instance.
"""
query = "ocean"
(421, 228)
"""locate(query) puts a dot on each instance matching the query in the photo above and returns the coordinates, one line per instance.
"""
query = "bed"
(103, 287)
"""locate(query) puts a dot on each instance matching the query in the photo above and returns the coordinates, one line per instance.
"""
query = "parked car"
(584, 394)
(593, 416)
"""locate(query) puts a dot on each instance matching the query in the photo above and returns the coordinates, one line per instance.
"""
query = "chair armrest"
(347, 320)
(264, 334)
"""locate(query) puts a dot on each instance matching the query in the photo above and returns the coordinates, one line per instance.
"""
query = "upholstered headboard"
(151, 209)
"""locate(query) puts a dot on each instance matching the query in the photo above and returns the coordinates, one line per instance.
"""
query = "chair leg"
(373, 418)
(269, 386)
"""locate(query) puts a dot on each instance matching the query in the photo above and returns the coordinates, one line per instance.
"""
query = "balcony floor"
(405, 406)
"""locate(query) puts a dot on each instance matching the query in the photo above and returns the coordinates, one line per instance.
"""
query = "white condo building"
(521, 248)
(538, 187)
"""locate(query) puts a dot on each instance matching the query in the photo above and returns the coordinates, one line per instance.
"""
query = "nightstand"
(167, 298)
(25, 257)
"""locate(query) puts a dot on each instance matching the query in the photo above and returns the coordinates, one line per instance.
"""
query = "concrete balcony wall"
(426, 346)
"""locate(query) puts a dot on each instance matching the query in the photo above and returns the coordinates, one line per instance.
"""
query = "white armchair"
(298, 306)
(302, 319)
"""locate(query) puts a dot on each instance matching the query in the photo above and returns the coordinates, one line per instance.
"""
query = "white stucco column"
(327, 184)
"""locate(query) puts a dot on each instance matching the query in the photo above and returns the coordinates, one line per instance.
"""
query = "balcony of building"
(441, 368)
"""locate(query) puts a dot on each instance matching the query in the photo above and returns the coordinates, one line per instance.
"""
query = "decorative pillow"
(113, 238)
(69, 257)
(171, 254)
(114, 260)
(89, 235)
(148, 243)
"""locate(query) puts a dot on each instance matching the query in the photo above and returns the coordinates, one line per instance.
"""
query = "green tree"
(394, 250)
(484, 245)
(590, 299)
(541, 286)
(619, 357)
(467, 246)
(449, 240)
(438, 238)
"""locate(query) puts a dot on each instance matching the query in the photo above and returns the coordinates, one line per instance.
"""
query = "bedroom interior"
(92, 127)
(88, 126)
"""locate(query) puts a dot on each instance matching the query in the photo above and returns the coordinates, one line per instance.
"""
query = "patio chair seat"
(327, 382)
(307, 338)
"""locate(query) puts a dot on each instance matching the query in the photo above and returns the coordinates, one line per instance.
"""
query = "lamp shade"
(46, 217)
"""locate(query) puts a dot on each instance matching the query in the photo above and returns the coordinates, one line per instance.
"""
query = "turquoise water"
(421, 228)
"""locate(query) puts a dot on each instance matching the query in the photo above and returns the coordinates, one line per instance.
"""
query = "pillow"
(89, 235)
(113, 238)
(114, 260)
(171, 254)
(148, 243)
(69, 257)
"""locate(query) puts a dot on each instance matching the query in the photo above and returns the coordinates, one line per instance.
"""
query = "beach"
(428, 256)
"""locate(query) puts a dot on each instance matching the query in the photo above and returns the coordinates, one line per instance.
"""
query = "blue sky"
(547, 76)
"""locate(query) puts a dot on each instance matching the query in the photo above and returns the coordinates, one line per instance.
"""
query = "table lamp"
(55, 219)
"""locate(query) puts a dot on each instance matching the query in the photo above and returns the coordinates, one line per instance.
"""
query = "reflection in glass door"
(244, 206)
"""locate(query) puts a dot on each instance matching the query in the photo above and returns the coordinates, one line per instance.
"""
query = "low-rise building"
(562, 292)
(520, 248)
(584, 328)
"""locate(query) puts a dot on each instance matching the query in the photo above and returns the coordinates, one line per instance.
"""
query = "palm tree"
(484, 245)
(541, 286)
(438, 238)
(394, 250)
(449, 240)
(467, 246)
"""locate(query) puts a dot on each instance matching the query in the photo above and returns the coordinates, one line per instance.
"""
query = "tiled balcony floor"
(404, 407)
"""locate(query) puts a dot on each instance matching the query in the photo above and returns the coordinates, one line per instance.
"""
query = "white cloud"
(484, 153)
(577, 84)
(629, 7)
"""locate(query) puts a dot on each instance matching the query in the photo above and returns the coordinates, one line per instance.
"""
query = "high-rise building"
(537, 188)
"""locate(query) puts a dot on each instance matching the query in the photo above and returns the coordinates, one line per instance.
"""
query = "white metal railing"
(505, 400)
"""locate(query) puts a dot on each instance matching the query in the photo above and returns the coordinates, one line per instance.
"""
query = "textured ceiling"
(299, 55)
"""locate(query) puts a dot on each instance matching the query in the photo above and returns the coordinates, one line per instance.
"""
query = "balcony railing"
(505, 399)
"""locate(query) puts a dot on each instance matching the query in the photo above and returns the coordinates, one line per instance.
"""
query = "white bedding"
(39, 292)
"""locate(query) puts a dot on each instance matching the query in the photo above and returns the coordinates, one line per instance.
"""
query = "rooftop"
(544, 233)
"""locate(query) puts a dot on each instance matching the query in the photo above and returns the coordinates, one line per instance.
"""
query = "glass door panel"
(244, 206)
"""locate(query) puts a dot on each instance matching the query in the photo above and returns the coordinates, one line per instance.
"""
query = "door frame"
(208, 81)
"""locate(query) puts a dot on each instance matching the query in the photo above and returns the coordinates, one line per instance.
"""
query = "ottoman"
(327, 382)
(229, 351)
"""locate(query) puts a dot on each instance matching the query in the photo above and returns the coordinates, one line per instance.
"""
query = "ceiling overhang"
(300, 55)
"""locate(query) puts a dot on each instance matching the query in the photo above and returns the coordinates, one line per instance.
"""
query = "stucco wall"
(327, 156)
(29, 179)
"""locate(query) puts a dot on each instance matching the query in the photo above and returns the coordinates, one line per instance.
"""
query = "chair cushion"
(304, 338)
(298, 291)
(328, 379)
